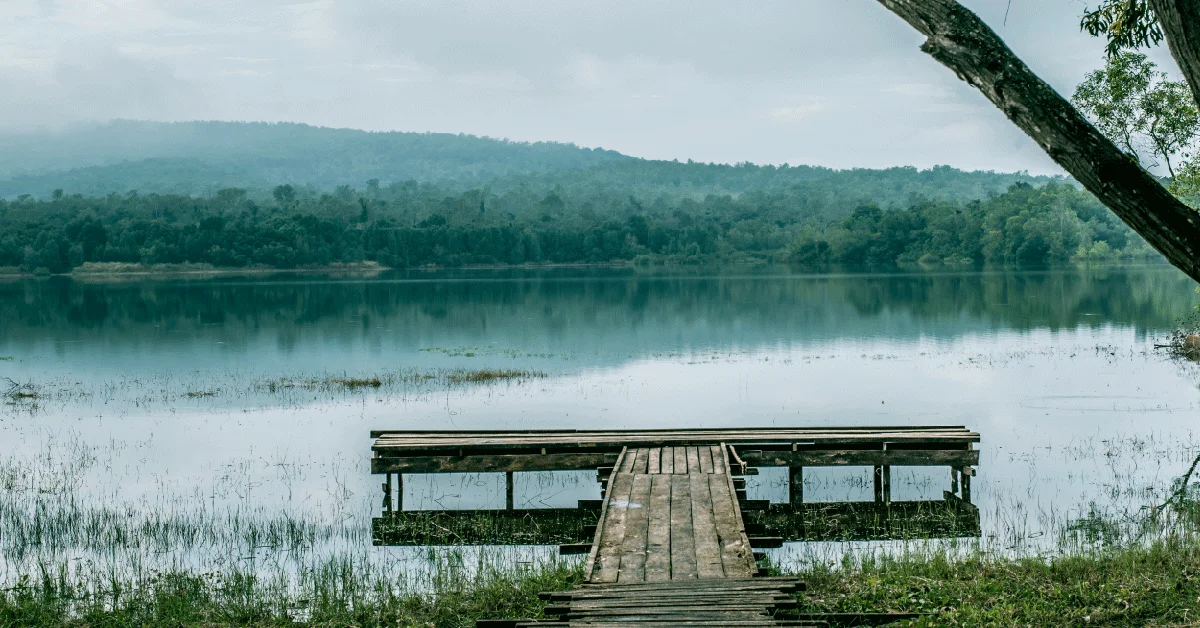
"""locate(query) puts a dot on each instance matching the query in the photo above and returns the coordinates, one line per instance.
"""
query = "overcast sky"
(839, 83)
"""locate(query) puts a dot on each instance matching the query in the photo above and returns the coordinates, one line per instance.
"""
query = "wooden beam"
(490, 463)
(796, 486)
(508, 490)
(861, 457)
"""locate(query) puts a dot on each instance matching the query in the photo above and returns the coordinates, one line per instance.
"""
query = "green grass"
(1158, 585)
(332, 598)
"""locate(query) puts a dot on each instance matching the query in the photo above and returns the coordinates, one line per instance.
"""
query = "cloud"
(704, 79)
(796, 113)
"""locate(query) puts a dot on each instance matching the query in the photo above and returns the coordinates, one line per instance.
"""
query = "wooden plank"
(642, 464)
(572, 433)
(658, 536)
(637, 529)
(708, 546)
(394, 445)
(668, 460)
(627, 462)
(852, 457)
(608, 556)
(706, 462)
(683, 541)
(490, 464)
(593, 555)
(737, 558)
(693, 460)
(718, 459)
(652, 430)
(680, 459)
(652, 463)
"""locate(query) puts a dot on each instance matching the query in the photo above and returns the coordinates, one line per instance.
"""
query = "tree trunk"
(1180, 20)
(957, 38)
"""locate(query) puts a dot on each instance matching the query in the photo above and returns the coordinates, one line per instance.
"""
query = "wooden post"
(953, 479)
(887, 483)
(796, 487)
(879, 483)
(387, 493)
(966, 486)
(508, 490)
(399, 492)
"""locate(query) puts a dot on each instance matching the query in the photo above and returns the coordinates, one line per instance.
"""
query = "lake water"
(156, 437)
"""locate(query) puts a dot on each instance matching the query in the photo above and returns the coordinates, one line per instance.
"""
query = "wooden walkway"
(671, 546)
(671, 514)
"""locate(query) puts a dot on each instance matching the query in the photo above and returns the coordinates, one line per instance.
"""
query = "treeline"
(411, 224)
(1054, 222)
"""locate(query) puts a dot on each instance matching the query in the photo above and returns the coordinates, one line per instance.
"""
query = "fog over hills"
(199, 158)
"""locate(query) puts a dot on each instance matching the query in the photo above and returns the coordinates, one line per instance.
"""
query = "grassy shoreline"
(1154, 585)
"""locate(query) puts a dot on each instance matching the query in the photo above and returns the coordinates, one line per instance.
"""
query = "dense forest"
(414, 224)
(291, 195)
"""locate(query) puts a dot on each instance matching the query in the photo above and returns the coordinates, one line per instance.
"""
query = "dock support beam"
(388, 492)
(883, 484)
(796, 487)
(966, 484)
(508, 490)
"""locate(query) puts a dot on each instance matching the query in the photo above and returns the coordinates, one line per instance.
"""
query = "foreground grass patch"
(334, 599)
(1154, 586)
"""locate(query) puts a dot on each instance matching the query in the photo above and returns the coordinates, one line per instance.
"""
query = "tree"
(958, 39)
(284, 194)
(1126, 24)
(1134, 103)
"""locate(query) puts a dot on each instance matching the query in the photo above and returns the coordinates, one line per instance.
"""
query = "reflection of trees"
(584, 308)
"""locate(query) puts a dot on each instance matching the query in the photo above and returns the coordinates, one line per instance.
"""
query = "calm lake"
(168, 422)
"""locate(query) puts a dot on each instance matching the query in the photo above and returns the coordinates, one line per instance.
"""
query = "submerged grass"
(481, 376)
(396, 379)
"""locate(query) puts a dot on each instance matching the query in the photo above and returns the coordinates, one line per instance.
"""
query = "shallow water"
(1057, 370)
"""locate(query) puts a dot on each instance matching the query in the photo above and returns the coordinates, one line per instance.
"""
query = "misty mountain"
(199, 158)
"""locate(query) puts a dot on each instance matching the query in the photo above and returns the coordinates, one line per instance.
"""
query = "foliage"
(1127, 24)
(407, 225)
(1136, 105)
(1027, 225)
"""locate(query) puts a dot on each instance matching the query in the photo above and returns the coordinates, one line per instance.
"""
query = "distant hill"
(199, 158)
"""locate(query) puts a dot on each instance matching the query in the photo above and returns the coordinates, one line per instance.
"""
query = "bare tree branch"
(1180, 20)
(958, 39)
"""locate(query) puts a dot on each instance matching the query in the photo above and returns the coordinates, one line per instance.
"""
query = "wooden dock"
(670, 545)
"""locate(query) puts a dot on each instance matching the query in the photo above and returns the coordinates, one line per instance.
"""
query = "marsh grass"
(245, 390)
(18, 392)
(397, 379)
(482, 376)
(1153, 585)
(337, 593)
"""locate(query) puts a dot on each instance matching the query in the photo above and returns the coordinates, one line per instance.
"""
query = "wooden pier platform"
(670, 546)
